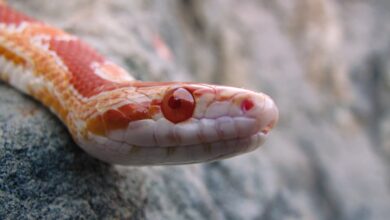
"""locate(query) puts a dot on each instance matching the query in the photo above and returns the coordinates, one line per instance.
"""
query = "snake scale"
(118, 119)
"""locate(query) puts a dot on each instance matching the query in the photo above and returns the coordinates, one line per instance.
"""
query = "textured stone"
(325, 62)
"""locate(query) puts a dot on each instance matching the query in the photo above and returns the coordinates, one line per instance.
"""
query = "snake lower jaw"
(123, 154)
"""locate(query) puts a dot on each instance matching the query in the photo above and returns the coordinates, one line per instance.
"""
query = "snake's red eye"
(178, 105)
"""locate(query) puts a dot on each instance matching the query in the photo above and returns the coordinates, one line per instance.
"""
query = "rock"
(324, 62)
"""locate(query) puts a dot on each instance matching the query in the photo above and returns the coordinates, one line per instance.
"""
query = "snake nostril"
(247, 105)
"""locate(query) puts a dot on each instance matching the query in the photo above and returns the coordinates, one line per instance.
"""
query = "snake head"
(178, 123)
(229, 111)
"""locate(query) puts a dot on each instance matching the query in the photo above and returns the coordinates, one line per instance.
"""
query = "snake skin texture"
(118, 119)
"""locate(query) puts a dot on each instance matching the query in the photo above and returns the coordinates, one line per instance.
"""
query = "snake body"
(118, 119)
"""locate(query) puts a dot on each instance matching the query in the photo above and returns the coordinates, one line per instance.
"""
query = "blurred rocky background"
(325, 62)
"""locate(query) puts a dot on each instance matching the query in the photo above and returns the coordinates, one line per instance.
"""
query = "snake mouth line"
(188, 154)
(260, 134)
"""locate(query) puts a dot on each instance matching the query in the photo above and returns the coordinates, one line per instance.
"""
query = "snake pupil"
(174, 102)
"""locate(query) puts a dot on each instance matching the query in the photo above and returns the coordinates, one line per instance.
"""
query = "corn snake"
(118, 119)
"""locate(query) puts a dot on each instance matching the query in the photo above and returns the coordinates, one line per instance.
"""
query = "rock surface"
(325, 62)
